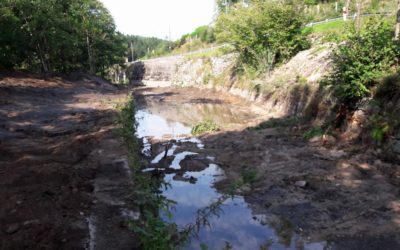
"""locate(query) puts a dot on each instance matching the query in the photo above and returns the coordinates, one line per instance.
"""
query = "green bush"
(366, 56)
(263, 34)
(204, 33)
(204, 126)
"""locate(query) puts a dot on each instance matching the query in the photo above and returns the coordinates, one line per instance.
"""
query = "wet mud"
(302, 194)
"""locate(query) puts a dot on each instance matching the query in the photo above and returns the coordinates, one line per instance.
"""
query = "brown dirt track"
(57, 139)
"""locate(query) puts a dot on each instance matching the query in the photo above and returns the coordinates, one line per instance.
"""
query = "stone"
(301, 184)
(396, 147)
(314, 139)
(12, 228)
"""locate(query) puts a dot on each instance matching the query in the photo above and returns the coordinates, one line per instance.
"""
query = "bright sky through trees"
(160, 18)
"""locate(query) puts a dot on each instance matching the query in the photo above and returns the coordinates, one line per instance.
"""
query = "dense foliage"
(144, 46)
(263, 34)
(58, 36)
(364, 57)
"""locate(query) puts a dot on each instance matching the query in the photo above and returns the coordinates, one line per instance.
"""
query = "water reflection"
(236, 224)
(189, 114)
(152, 125)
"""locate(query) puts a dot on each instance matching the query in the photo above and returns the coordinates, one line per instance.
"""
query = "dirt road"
(63, 173)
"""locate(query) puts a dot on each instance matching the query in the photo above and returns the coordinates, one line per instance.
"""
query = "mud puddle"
(191, 173)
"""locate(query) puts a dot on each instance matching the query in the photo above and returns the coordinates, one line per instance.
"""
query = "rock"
(317, 138)
(396, 147)
(246, 188)
(30, 222)
(12, 228)
(325, 139)
(328, 139)
(301, 184)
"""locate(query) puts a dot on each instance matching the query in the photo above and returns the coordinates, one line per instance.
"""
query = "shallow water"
(235, 224)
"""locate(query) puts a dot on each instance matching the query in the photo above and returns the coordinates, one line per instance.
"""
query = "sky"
(160, 18)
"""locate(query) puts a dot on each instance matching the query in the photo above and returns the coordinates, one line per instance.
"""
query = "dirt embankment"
(63, 173)
(326, 190)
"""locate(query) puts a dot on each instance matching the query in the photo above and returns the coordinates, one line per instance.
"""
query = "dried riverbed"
(299, 194)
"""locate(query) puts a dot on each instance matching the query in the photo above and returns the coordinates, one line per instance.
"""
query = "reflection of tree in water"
(284, 230)
(203, 216)
(193, 113)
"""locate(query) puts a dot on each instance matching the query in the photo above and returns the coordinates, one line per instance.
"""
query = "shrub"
(205, 126)
(263, 34)
(366, 56)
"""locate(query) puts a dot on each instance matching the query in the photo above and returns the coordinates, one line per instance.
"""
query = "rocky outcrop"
(158, 69)
(290, 89)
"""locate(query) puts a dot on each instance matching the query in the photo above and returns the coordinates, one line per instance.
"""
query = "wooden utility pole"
(358, 17)
(396, 36)
(131, 52)
(346, 10)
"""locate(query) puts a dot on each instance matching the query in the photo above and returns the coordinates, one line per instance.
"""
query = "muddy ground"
(63, 173)
(64, 180)
(332, 190)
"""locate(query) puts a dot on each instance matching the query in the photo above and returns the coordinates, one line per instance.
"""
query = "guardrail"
(311, 24)
(328, 20)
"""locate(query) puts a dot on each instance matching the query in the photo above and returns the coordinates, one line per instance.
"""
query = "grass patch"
(205, 127)
(278, 122)
(330, 26)
(317, 131)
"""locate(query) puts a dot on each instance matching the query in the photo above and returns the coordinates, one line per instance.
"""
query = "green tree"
(265, 33)
(58, 36)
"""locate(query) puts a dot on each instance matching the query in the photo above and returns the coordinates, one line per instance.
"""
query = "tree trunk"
(42, 59)
(90, 56)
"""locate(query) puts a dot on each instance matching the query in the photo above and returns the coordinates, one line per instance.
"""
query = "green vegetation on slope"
(145, 48)
(139, 47)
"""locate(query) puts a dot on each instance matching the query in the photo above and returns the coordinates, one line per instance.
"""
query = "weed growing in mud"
(204, 127)
(249, 176)
(317, 131)
(278, 122)
(152, 231)
(126, 119)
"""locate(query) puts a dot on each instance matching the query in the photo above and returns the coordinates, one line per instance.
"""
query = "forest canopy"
(58, 36)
